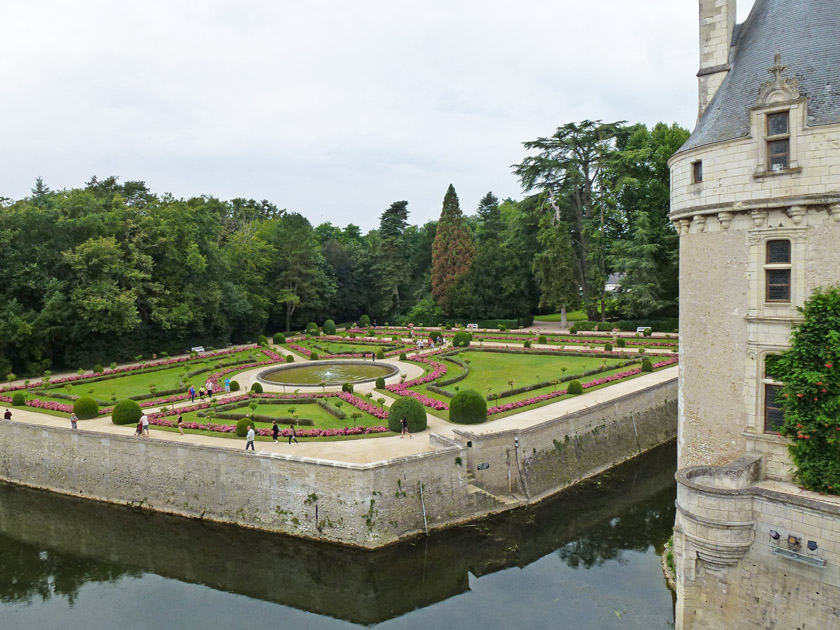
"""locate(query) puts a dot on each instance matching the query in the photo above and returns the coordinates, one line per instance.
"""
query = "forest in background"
(111, 270)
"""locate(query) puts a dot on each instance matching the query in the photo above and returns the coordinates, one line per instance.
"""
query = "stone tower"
(755, 196)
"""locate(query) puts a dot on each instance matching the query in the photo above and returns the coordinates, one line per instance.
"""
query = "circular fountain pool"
(327, 372)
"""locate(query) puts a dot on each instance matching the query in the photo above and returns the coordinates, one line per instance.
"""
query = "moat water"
(587, 559)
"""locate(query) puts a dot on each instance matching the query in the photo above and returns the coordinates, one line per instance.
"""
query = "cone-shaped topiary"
(279, 338)
(126, 412)
(86, 408)
(413, 411)
(647, 366)
(243, 425)
(329, 327)
(19, 399)
(468, 407)
(257, 388)
(364, 321)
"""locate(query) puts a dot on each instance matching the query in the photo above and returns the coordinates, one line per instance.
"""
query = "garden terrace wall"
(557, 453)
(361, 505)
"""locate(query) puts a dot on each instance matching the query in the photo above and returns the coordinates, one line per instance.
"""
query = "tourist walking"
(74, 421)
(192, 394)
(275, 430)
(209, 387)
(7, 415)
(181, 424)
(201, 392)
(144, 420)
(292, 434)
(404, 425)
(249, 443)
(227, 386)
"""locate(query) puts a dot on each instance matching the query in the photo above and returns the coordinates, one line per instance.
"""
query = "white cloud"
(334, 109)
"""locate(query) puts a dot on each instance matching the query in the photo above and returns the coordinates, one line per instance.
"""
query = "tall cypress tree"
(453, 250)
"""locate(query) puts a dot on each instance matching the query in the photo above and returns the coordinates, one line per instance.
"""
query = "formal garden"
(491, 374)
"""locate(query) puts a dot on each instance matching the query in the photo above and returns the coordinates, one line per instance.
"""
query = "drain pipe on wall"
(423, 503)
(519, 467)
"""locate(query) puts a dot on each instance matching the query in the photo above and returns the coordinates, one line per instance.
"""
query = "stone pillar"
(717, 25)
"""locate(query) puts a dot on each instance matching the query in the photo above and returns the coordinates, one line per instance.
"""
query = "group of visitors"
(207, 390)
(275, 433)
(432, 342)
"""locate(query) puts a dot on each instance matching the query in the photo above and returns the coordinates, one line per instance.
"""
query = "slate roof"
(807, 34)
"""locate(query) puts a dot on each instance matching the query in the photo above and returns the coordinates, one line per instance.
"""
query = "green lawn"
(134, 384)
(572, 316)
(334, 347)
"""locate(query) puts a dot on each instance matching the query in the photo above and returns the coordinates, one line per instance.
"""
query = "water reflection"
(53, 546)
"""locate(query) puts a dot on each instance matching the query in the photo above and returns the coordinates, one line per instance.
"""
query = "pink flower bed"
(344, 355)
(231, 428)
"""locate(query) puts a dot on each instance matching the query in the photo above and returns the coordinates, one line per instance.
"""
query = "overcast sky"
(330, 108)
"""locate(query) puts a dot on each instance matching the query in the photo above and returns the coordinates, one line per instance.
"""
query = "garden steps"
(472, 488)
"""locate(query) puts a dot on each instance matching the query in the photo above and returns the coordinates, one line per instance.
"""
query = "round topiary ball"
(413, 411)
(364, 321)
(126, 412)
(527, 344)
(243, 425)
(234, 386)
(621, 343)
(279, 338)
(380, 383)
(86, 408)
(19, 399)
(98, 369)
(257, 388)
(403, 357)
(607, 347)
(380, 354)
(647, 366)
(262, 340)
(329, 327)
(574, 388)
(542, 339)
(461, 340)
(468, 407)
(314, 356)
(347, 387)
(312, 329)
(290, 358)
(572, 330)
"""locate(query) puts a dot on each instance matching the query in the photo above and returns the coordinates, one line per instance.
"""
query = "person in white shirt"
(250, 439)
(144, 420)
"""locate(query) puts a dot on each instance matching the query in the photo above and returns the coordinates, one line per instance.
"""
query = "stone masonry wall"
(556, 454)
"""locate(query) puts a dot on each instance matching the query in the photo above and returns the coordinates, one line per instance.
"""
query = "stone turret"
(717, 27)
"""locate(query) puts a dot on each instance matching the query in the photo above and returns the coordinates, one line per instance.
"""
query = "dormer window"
(778, 141)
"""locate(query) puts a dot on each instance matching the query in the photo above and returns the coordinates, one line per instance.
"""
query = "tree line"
(112, 270)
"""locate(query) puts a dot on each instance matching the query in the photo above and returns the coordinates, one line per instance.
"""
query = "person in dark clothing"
(275, 430)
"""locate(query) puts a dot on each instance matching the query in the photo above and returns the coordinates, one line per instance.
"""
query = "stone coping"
(393, 370)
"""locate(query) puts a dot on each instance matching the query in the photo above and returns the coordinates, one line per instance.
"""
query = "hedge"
(243, 425)
(19, 399)
(468, 407)
(413, 411)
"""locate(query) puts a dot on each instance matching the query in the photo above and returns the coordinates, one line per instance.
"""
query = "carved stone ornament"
(700, 222)
(725, 219)
(759, 217)
(834, 209)
(684, 225)
(779, 90)
(796, 214)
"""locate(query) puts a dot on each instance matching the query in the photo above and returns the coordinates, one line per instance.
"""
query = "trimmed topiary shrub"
(621, 343)
(380, 354)
(468, 407)
(243, 425)
(19, 399)
(607, 347)
(574, 388)
(573, 330)
(461, 339)
(542, 339)
(647, 366)
(648, 332)
(257, 388)
(262, 340)
(86, 408)
(234, 386)
(126, 412)
(347, 387)
(527, 343)
(279, 338)
(402, 356)
(312, 329)
(380, 383)
(364, 321)
(98, 369)
(314, 356)
(413, 411)
(290, 358)
(329, 327)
